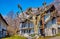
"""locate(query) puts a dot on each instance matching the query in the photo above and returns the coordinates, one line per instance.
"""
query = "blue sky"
(8, 5)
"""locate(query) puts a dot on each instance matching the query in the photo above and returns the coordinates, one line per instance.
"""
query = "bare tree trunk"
(43, 26)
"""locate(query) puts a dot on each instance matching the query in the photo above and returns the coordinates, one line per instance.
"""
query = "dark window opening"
(23, 25)
(40, 23)
(45, 26)
(52, 8)
(24, 31)
(53, 20)
(0, 24)
(28, 24)
(29, 31)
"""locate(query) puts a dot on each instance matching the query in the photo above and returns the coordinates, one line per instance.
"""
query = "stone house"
(57, 6)
(50, 25)
(3, 26)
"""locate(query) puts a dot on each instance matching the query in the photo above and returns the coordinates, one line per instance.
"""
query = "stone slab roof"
(3, 19)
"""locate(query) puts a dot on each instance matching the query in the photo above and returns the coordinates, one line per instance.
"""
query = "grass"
(40, 37)
(20, 37)
(46, 37)
(58, 34)
(15, 37)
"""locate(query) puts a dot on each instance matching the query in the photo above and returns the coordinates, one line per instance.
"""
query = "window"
(28, 24)
(29, 31)
(24, 31)
(0, 24)
(40, 23)
(45, 25)
(31, 24)
(23, 25)
(53, 20)
(53, 31)
(47, 16)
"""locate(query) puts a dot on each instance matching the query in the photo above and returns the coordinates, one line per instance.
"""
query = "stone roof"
(35, 12)
(3, 19)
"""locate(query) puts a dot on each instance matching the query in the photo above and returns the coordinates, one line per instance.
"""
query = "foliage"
(32, 35)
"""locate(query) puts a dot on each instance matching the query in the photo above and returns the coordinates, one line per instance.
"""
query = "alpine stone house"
(49, 21)
(57, 5)
(3, 26)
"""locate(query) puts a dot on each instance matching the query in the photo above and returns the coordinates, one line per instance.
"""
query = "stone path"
(58, 37)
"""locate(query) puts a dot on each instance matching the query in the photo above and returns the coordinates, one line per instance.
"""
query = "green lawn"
(58, 34)
(21, 37)
(15, 37)
(47, 37)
